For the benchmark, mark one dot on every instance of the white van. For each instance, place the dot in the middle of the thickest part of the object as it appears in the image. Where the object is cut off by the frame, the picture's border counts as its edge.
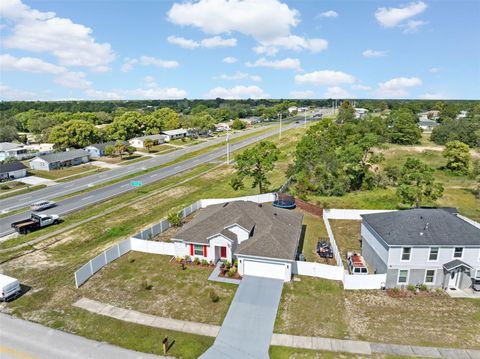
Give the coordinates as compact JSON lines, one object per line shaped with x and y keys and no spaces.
{"x":9,"y":288}
{"x":41,"y":205}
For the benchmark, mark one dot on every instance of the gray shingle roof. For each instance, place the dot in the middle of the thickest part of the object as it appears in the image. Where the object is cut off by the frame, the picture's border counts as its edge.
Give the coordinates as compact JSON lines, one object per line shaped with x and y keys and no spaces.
{"x":5,"y":146}
{"x":101,"y":146}
{"x":455,"y":264}
{"x":64,"y":156}
{"x":423,"y":227}
{"x":9,"y":167}
{"x":152,"y":137}
{"x":275,"y":231}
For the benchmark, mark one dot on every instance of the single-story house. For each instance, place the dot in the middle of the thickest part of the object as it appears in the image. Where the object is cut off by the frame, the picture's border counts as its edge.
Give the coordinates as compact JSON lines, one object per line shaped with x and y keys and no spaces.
{"x":360,"y":112}
{"x":15,"y":150}
{"x":250,"y":121}
{"x":292,"y":109}
{"x":429,"y":115}
{"x":59,"y":160}
{"x":432,"y":246}
{"x":12,"y":170}
{"x":463,"y":114}
{"x":427,"y":125}
{"x":98,"y":149}
{"x":174,"y":134}
{"x":138,"y":142}
{"x":222,"y":126}
{"x":264,"y":239}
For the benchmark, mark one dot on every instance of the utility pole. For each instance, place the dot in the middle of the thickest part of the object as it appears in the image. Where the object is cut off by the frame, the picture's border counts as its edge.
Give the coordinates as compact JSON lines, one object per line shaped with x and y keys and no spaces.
{"x":280,"y":133}
{"x":228,"y":147}
{"x":305,"y":118}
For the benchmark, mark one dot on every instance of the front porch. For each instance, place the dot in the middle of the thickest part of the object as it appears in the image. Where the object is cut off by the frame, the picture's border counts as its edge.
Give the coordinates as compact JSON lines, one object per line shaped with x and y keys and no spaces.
{"x":463,"y":293}
{"x":457,"y":276}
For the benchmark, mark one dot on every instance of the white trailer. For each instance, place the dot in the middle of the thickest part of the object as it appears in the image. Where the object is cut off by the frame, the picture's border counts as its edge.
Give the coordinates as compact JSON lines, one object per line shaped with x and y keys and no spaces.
{"x":9,"y":288}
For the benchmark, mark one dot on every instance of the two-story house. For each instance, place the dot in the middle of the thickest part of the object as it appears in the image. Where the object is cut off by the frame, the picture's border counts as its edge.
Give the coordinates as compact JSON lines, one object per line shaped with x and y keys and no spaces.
{"x":431,"y":246}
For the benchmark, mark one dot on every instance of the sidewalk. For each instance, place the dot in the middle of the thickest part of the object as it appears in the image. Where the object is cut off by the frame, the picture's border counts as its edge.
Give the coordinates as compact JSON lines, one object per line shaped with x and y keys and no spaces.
{"x":293,"y":341}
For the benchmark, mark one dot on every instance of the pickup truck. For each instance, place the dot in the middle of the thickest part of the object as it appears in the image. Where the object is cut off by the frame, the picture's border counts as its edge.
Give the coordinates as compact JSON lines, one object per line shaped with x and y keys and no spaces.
{"x":36,"y":221}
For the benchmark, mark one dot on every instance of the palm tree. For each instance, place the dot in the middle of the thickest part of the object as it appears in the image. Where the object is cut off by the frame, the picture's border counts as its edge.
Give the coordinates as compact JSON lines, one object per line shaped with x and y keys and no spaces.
{"x":119,"y":148}
{"x":148,"y":144}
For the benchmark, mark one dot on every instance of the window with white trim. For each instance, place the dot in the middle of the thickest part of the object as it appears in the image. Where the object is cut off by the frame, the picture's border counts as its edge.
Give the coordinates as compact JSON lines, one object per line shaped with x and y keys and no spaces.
{"x":406,"y":253}
{"x":433,"y":256}
{"x":458,"y":252}
{"x":198,"y":250}
{"x":430,"y":276}
{"x":402,"y":276}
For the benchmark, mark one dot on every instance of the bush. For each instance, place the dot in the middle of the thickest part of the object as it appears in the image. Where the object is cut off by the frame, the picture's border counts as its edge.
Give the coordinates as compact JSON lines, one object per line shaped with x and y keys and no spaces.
{"x":214,"y":296}
{"x":188,"y":259}
{"x":175,"y":219}
{"x":196,"y":260}
{"x":227,"y":264}
{"x":232,"y":272}
{"x":395,"y":290}
{"x":423,"y":288}
{"x":131,"y":260}
{"x":204,"y":262}
{"x":178,"y":259}
{"x":411,"y":288}
{"x":146,"y":285}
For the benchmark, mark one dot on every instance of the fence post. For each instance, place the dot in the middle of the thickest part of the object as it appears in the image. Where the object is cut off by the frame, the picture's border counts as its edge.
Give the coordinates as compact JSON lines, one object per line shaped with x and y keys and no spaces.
{"x":91,"y":267}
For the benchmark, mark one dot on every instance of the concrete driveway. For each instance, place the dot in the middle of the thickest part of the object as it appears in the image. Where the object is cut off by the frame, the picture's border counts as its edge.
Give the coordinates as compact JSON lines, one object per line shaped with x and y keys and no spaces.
{"x":247,"y":329}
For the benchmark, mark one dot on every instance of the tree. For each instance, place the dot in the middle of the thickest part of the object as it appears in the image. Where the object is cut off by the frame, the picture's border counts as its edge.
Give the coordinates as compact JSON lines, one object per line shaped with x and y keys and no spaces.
{"x":255,"y":162}
{"x":346,"y":112}
{"x":458,"y":156}
{"x":8,"y":133}
{"x":120,"y":148}
{"x":175,"y":219}
{"x":126,"y":126}
{"x":238,"y":124}
{"x":416,"y":183}
{"x":403,"y":128}
{"x":109,"y":150}
{"x":73,"y":133}
{"x":148,"y":144}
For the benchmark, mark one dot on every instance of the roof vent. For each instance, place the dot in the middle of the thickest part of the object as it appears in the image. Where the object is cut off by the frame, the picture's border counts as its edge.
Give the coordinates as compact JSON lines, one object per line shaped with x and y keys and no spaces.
{"x":426,"y":226}
{"x":421,"y":233}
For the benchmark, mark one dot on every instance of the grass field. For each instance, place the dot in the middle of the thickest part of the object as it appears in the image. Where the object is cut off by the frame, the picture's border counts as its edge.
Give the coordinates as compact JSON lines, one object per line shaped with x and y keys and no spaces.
{"x":318,"y":307}
{"x":347,"y":236}
{"x":86,"y":169}
{"x":314,"y":230}
{"x":277,"y":352}
{"x":175,"y":293}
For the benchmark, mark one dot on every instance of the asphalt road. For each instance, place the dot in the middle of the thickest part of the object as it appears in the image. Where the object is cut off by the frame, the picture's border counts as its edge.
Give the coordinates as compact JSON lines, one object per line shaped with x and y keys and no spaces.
{"x":20,"y":339}
{"x":101,"y":194}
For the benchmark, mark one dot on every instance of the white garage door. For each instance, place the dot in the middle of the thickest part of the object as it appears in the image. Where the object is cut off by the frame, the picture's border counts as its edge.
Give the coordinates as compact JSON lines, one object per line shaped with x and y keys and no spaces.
{"x":262,"y":269}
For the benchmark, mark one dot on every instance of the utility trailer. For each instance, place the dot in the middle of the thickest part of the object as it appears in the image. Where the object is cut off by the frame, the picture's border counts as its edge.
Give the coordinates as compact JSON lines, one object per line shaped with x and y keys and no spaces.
{"x":36,"y":221}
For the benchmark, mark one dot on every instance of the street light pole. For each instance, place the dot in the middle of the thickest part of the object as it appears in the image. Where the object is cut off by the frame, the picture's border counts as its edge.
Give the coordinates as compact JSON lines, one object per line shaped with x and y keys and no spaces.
{"x":280,"y":133}
{"x":305,"y":112}
{"x":228,"y":148}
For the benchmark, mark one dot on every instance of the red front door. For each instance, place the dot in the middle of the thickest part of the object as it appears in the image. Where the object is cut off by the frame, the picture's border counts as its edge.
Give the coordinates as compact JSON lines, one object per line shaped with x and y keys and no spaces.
{"x":223,"y":252}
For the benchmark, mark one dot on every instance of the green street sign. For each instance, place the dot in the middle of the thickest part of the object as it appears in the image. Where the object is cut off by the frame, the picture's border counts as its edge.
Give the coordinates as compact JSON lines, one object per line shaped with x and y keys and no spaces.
{"x":136,"y":183}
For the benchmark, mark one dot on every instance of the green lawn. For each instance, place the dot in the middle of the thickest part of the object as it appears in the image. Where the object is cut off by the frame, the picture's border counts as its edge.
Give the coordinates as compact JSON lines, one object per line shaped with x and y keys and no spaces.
{"x":176,"y":293}
{"x":347,"y":236}
{"x":314,"y":230}
{"x":277,"y":352}
{"x":318,"y":307}
{"x":65,"y":172}
{"x":19,"y":190}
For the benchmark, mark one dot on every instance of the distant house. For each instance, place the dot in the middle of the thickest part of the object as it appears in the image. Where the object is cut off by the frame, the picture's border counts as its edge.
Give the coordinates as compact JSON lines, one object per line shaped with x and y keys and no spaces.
{"x":15,"y":150}
{"x":431,"y":246}
{"x":139,"y":142}
{"x":429,"y":115}
{"x":12,"y":170}
{"x":250,"y":121}
{"x":98,"y":149}
{"x":222,"y":126}
{"x":360,"y":112}
{"x":463,"y":114}
{"x":174,"y":134}
{"x":427,"y":125}
{"x":59,"y":160}
{"x":292,"y":109}
{"x":264,"y":239}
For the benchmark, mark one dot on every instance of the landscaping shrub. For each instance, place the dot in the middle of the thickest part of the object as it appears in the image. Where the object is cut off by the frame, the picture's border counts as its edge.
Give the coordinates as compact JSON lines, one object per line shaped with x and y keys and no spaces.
{"x":423,"y":288}
{"x":214,"y":296}
{"x":411,"y":288}
{"x":227,"y":264}
{"x":175,"y":219}
{"x":232,"y":272}
{"x":204,"y":262}
{"x":188,"y":259}
{"x":178,"y":259}
{"x":196,"y":260}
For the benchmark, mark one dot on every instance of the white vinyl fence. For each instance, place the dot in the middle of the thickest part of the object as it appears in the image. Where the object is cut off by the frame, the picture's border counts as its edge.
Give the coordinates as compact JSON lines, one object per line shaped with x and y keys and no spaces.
{"x":352,"y":214}
{"x":261,"y":198}
{"x":154,"y":247}
{"x":369,"y":281}
{"x":319,"y":270}
{"x":333,"y":244}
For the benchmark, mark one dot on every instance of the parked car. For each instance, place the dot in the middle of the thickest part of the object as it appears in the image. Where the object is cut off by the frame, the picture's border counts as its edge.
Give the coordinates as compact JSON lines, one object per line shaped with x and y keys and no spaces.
{"x":356,"y":263}
{"x":324,"y":249}
{"x":42,"y":205}
{"x":9,"y":288}
{"x":36,"y":221}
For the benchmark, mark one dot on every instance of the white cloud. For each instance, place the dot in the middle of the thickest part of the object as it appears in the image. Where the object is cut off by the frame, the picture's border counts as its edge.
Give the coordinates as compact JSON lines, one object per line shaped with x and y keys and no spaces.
{"x":237,"y":92}
{"x":374,"y":53}
{"x":38,"y":31}
{"x":391,"y":17}
{"x":302,"y":94}
{"x":435,"y":70}
{"x":336,"y":92}
{"x":361,"y":88}
{"x":397,"y":87}
{"x":150,"y":81}
{"x":183,"y":42}
{"x":155,"y":93}
{"x":291,"y":42}
{"x":285,"y":64}
{"x":8,"y":93}
{"x":148,"y":61}
{"x":432,"y":96}
{"x":74,"y":80}
{"x":413,"y":26}
{"x":325,"y":77}
{"x":239,"y":76}
{"x":329,"y":13}
{"x":229,"y":60}
{"x":29,"y":64}
{"x":262,"y":19}
{"x":218,"y":41}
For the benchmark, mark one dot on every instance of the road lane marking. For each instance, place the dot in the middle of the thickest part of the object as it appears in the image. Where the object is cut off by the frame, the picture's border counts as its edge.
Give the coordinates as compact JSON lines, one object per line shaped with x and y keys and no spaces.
{"x":15,"y":353}
{"x":88,"y":197}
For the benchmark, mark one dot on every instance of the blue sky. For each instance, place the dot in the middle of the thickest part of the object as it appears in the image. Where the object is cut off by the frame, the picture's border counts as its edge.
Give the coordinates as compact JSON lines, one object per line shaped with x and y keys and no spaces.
{"x":238,"y":49}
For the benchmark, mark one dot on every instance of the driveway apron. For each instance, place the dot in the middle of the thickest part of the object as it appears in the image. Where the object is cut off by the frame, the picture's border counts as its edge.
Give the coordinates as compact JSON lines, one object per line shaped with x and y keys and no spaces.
{"x":247,"y":329}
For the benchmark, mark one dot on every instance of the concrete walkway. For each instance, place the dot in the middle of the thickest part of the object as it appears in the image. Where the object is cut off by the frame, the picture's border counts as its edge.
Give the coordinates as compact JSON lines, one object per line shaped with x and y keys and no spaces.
{"x":293,"y":341}
{"x":215,"y":278}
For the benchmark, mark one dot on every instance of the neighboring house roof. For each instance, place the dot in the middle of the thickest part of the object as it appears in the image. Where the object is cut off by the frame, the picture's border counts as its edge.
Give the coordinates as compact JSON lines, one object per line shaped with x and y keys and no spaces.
{"x":423,"y":227}
{"x":5,"y":146}
{"x":275,"y":231}
{"x":455,"y":264}
{"x":63,"y":156}
{"x":10,"y":167}
{"x":428,"y":123}
{"x":151,"y":137}
{"x":101,"y":146}
{"x":180,"y":131}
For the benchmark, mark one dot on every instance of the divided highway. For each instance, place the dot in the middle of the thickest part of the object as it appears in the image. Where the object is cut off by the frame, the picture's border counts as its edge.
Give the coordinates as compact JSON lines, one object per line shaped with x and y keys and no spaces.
{"x":101,"y":194}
